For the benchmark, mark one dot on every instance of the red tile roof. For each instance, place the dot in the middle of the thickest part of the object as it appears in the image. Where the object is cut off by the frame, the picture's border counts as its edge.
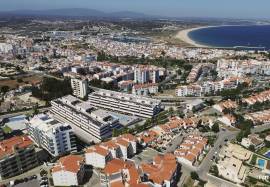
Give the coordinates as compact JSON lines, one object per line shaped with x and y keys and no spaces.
{"x":71,"y":163}
{"x":7,"y":146}
{"x":163,"y":168}
{"x":97,"y":149}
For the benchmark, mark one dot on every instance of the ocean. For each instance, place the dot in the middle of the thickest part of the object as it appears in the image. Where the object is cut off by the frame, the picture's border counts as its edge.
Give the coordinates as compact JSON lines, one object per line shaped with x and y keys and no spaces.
{"x":252,"y":36}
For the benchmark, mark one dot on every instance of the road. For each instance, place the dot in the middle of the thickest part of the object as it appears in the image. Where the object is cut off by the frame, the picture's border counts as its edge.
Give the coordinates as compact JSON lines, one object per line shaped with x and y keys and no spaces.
{"x":21,"y":113}
{"x":261,"y":128}
{"x":204,"y":167}
{"x":177,"y":99}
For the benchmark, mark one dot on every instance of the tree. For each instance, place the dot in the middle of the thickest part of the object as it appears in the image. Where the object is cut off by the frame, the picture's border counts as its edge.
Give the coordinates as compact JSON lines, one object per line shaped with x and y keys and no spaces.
{"x":215,"y":128}
{"x":240,"y":136}
{"x":251,"y":148}
{"x":4,"y":89}
{"x":19,"y":80}
{"x":214,"y":170}
{"x":194,"y":175}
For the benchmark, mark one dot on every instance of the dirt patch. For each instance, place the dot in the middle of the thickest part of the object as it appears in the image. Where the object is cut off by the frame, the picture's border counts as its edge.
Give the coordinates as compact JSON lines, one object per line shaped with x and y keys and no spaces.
{"x":25,"y":80}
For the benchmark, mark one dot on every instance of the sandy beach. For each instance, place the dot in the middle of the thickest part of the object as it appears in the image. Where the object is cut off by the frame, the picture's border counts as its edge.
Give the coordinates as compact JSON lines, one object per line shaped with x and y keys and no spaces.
{"x":183,"y":35}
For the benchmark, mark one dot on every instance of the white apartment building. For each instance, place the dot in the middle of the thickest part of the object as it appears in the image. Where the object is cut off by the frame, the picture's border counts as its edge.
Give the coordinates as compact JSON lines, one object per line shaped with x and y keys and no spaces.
{"x":87,"y":124}
{"x":69,"y":171}
{"x":5,"y":47}
{"x":141,"y":75}
{"x":190,"y":90}
{"x":55,"y":137}
{"x":97,"y":156}
{"x":145,"y":89}
{"x":79,"y":87}
{"x":125,"y":103}
{"x":124,"y":147}
{"x":146,"y":74}
{"x":227,"y":68}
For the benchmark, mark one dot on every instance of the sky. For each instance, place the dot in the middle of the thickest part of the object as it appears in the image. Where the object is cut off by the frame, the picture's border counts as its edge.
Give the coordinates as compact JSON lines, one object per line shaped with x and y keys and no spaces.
{"x":173,"y":8}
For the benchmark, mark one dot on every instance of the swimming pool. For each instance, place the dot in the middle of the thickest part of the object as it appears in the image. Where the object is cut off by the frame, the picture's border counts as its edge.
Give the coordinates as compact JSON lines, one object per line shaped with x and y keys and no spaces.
{"x":261,"y":163}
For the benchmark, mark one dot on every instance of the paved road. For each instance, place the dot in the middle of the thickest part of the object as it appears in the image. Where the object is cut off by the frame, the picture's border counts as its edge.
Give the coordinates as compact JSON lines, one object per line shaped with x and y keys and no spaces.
{"x":174,"y":98}
{"x":261,"y":128}
{"x":204,"y":167}
{"x":176,"y":142}
{"x":21,"y":113}
{"x":206,"y":163}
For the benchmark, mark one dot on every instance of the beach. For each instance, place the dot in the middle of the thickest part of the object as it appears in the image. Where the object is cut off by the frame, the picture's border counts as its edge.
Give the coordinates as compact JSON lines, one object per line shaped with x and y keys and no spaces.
{"x":183,"y":35}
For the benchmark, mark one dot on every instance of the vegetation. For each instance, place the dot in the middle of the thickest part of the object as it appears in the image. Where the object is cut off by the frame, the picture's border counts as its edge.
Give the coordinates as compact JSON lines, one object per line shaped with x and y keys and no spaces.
{"x":253,"y":159}
{"x":103,"y":85}
{"x":194,"y":175}
{"x":251,"y":148}
{"x":4,"y":89}
{"x":215,"y":128}
{"x":214,"y":170}
{"x":52,"y":88}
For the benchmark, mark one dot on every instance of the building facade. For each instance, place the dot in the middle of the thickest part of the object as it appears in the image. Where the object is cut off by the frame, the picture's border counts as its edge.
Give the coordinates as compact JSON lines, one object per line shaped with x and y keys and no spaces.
{"x":69,"y":171}
{"x":125,"y":103}
{"x":79,"y":87}
{"x":17,"y":155}
{"x":88,"y":126}
{"x":55,"y":137}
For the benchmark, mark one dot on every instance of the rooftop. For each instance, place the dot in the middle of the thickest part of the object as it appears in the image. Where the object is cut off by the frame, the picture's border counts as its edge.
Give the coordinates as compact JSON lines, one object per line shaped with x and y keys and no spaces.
{"x":7,"y":147}
{"x":71,"y":163}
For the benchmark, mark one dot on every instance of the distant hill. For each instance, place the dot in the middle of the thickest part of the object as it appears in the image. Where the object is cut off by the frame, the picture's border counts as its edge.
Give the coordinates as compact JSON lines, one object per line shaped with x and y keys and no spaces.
{"x":74,"y":12}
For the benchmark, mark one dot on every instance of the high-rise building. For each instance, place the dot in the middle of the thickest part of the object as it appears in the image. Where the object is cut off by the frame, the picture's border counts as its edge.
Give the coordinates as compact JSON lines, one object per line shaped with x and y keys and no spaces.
{"x":89,"y":124}
{"x":141,"y":75}
{"x":55,"y":137}
{"x":125,"y":103}
{"x":79,"y":87}
{"x":17,"y":155}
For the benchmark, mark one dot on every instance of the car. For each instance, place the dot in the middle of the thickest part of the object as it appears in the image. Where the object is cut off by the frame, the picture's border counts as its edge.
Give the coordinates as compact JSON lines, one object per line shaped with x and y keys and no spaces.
{"x":43,"y":183}
{"x":44,"y":178}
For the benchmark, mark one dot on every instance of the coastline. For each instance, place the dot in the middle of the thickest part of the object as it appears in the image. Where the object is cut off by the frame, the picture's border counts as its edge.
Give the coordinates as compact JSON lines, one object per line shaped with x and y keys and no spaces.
{"x":183,"y":35}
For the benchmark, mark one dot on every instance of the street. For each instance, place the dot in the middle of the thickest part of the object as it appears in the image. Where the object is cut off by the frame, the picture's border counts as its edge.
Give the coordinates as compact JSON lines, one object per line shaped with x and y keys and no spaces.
{"x":204,"y":167}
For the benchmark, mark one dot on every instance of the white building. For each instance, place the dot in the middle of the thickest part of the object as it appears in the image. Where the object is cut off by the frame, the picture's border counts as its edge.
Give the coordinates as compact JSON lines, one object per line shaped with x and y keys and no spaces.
{"x":253,"y":139}
{"x":79,"y":87}
{"x":69,"y":171}
{"x":125,"y":103}
{"x":87,"y":124}
{"x":145,"y":89}
{"x":124,"y":147}
{"x":97,"y":156}
{"x":190,"y":90}
{"x":55,"y":137}
{"x":5,"y":48}
{"x":141,"y":75}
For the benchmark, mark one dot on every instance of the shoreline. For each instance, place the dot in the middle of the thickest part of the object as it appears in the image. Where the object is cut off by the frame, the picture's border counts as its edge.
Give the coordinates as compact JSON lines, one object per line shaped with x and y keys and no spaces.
{"x":183,"y":35}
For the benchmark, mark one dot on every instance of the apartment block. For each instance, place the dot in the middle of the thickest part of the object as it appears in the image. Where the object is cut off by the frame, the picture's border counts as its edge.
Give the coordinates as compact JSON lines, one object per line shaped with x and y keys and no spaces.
{"x":124,"y":147}
{"x":55,"y":137}
{"x":125,"y":103}
{"x":69,"y":171}
{"x":79,"y":87}
{"x":88,"y":125}
{"x":17,"y":155}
